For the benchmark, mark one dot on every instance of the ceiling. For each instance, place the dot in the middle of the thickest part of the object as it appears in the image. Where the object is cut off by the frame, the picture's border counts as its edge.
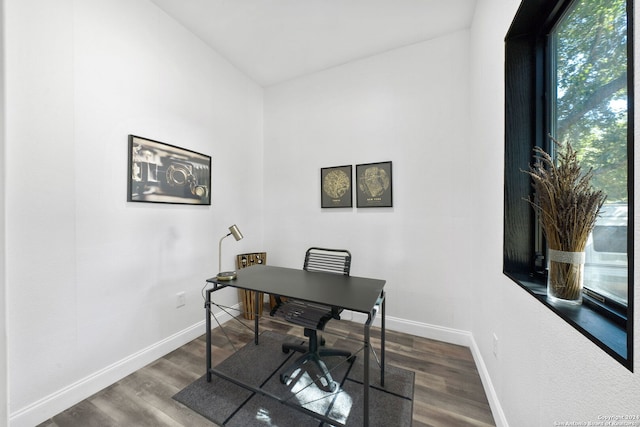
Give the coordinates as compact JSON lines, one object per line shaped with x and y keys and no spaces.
{"x":277,"y":40}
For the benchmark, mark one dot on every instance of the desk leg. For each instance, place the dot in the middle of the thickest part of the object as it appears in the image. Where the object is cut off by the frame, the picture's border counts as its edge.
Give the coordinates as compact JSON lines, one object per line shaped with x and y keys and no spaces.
{"x":207,"y":307}
{"x":382,"y":338}
{"x":256,"y":311}
{"x":367,"y":336}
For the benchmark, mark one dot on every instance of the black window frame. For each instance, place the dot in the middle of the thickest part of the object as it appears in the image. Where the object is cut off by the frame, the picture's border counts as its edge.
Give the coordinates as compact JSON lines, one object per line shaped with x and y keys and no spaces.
{"x":527,"y":125}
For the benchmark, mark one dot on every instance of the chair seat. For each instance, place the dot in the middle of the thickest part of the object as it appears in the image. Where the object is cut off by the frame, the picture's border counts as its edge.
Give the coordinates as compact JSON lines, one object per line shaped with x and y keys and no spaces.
{"x":309,"y":316}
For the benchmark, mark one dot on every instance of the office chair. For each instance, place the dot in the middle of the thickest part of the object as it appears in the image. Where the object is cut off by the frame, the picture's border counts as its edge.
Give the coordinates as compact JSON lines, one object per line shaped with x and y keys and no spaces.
{"x":314,"y":317}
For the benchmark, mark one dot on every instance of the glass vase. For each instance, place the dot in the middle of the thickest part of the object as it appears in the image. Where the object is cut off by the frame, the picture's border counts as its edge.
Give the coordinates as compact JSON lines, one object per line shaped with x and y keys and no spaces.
{"x":566,"y":276}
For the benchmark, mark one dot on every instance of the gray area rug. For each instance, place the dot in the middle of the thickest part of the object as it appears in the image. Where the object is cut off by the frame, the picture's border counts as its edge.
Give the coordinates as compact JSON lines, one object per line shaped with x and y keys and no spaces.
{"x":227,"y":404}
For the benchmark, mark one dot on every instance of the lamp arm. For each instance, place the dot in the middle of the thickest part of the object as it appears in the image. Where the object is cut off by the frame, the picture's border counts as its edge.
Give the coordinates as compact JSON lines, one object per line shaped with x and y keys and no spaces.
{"x":220,"y":252}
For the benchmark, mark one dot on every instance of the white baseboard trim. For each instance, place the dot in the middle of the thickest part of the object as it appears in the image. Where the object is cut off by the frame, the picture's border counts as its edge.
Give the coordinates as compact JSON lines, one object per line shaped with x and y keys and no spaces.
{"x":424,"y":330}
{"x":496,"y":409}
{"x":66,"y":397}
{"x":451,"y":336}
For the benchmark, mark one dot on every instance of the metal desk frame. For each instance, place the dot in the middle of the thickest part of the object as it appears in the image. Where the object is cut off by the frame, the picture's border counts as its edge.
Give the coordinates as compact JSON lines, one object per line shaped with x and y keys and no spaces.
{"x":355,"y":293}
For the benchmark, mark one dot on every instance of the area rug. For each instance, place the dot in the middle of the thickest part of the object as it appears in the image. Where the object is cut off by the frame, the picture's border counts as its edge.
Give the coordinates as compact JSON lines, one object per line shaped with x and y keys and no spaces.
{"x":227,"y":404}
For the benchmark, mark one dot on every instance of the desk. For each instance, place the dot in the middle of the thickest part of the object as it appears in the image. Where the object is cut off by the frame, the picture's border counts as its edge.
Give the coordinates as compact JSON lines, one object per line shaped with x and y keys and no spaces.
{"x":348,"y":292}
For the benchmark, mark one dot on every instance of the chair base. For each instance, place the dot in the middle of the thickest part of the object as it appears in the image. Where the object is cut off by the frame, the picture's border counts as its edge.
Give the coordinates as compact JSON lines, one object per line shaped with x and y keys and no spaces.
{"x":314,"y":355}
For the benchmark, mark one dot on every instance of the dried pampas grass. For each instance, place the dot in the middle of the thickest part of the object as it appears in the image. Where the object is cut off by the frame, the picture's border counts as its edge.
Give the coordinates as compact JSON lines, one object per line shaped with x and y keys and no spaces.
{"x":567,"y":207}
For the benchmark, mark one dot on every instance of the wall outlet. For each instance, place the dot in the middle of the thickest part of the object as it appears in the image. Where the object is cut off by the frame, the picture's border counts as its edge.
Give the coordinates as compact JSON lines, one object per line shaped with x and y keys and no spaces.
{"x":181,"y":299}
{"x":495,"y":345}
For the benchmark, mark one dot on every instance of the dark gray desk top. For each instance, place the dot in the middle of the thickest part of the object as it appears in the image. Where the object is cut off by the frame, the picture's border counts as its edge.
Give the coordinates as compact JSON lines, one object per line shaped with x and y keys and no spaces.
{"x":348,"y":292}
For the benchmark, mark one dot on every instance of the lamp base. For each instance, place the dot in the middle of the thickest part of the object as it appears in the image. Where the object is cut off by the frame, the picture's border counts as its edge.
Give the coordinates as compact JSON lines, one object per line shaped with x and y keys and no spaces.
{"x":226,"y":275}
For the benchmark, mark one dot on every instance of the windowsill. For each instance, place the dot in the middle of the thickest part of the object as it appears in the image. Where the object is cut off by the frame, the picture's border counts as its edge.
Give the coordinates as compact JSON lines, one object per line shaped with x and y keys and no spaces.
{"x":601,"y":330}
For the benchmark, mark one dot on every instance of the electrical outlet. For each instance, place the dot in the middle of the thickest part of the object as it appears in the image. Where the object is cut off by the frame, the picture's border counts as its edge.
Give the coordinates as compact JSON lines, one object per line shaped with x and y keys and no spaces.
{"x":495,"y":345}
{"x":181,"y":299}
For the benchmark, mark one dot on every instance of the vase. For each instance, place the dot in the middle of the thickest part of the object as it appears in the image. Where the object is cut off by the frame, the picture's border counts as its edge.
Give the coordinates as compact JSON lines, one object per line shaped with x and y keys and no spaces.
{"x":566,"y":277}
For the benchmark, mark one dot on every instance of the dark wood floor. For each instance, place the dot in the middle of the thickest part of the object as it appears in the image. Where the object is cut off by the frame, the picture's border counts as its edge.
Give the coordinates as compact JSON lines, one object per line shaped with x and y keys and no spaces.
{"x":448,"y":391}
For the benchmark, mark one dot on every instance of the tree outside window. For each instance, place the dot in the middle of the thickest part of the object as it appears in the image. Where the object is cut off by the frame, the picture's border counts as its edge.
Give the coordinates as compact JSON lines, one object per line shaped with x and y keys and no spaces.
{"x":589,"y":109}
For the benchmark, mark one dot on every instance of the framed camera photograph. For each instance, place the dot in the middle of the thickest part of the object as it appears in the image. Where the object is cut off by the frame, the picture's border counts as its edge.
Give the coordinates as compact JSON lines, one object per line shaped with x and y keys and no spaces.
{"x":374,"y":185}
{"x":163,"y":173}
{"x":335,"y":187}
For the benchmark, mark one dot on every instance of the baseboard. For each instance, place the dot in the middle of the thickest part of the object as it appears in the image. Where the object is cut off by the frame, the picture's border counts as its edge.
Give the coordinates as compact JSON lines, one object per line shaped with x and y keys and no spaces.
{"x":425,"y":330}
{"x":451,"y":336}
{"x":66,"y":397}
{"x":496,"y":409}
{"x":57,"y":402}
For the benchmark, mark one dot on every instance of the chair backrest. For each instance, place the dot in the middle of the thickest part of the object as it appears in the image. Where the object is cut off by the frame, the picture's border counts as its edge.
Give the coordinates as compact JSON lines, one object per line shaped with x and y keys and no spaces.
{"x":336,"y":261}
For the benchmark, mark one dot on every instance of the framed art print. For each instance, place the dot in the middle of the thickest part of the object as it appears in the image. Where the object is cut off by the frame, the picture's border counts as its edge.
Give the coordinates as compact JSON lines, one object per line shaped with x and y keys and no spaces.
{"x":374,"y":185}
{"x":335,"y":183}
{"x":163,"y":173}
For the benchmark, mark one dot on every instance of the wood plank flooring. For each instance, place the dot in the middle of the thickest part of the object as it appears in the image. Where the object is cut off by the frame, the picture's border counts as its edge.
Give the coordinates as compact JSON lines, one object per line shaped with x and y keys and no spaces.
{"x":448,"y":391}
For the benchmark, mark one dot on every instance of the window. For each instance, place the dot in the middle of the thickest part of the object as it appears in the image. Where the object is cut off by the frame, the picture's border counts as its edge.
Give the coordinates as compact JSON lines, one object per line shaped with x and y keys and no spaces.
{"x":568,"y":74}
{"x":588,"y":47}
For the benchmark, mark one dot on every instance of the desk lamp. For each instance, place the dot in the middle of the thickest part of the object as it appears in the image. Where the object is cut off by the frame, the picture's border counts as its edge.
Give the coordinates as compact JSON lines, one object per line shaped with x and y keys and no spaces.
{"x":227,"y":275}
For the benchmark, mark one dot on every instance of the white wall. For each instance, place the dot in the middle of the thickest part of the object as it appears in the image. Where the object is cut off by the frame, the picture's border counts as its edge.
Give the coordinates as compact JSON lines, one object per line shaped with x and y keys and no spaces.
{"x":409,"y":106}
{"x":3,"y":302}
{"x":92,"y":279}
{"x":545,"y":371}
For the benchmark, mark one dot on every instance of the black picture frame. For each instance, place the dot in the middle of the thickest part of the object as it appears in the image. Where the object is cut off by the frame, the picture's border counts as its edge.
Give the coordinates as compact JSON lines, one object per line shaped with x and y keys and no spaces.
{"x":336,"y":187}
{"x":374,"y":185}
{"x":163,"y":173}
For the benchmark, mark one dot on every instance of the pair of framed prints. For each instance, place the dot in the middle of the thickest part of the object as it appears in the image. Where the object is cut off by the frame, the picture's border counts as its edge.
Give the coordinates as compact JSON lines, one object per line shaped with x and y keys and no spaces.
{"x":372,"y":186}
